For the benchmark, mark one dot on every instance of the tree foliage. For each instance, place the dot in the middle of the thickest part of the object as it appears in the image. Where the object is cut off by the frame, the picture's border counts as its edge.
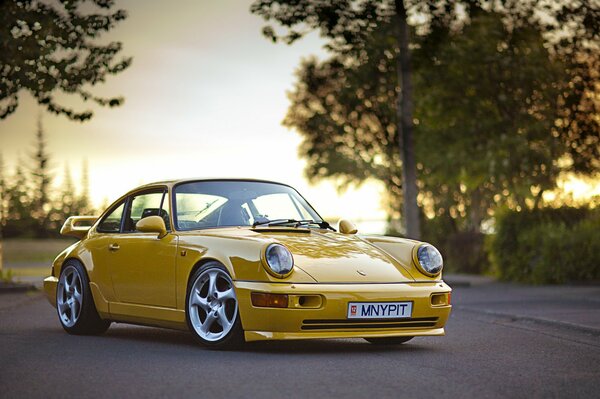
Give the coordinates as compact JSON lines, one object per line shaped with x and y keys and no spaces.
{"x":347,"y":25}
{"x":506,"y":97}
{"x":40,"y":180}
{"x":51,"y":48}
{"x":489,"y":96}
{"x":28,"y":207}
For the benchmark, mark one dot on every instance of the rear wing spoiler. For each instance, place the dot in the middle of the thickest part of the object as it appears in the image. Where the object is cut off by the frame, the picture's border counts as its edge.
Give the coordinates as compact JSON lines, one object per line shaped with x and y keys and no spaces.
{"x":77,"y":226}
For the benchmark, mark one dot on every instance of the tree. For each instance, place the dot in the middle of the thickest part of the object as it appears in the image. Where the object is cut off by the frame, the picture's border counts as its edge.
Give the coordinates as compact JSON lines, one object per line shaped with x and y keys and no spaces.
{"x":347,"y":24}
{"x":573,"y":31}
{"x":41,"y":181}
{"x":472,"y":102}
{"x":48,"y":48}
{"x":515,"y":63}
{"x":67,"y":204}
{"x":84,"y":206}
{"x":489,"y":99}
{"x":18,"y":217}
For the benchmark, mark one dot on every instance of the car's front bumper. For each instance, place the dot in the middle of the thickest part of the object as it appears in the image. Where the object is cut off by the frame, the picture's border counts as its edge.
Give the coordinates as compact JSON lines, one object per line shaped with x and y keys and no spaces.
{"x":328,"y":319}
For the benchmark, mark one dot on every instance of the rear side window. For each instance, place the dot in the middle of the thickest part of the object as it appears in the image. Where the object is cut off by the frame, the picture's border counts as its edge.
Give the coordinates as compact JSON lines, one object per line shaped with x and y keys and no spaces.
{"x":112,"y":222}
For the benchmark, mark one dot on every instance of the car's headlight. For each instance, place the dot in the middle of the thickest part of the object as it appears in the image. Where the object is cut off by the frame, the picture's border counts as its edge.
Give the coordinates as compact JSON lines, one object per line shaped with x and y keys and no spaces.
{"x":279,"y":260}
{"x":428,"y":259}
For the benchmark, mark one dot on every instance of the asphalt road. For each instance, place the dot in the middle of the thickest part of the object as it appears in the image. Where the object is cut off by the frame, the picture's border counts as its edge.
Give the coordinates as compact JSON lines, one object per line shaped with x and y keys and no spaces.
{"x":481,"y":356}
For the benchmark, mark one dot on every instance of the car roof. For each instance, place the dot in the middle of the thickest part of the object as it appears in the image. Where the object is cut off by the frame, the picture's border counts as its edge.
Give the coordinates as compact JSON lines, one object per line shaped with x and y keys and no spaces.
{"x":171,"y":183}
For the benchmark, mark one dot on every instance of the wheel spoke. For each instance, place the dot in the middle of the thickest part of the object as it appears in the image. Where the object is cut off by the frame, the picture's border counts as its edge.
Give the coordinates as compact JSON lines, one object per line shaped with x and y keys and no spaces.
{"x":208,"y":322}
{"x":73,"y":307}
{"x":62,"y":306}
{"x":77,"y":297}
{"x":223,"y":320}
{"x":228,"y":294}
{"x":75,"y":283}
{"x":212,"y":284}
{"x":202,"y":303}
{"x":67,"y":285}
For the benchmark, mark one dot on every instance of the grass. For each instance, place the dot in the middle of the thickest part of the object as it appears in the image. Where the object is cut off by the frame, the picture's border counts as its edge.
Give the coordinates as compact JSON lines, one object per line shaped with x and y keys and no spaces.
{"x":26,"y":255}
{"x":29,"y":271}
{"x":25,"y":251}
{"x":6,"y":276}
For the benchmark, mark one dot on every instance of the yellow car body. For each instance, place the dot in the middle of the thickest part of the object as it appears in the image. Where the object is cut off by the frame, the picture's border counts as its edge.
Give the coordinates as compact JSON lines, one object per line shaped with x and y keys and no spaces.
{"x":147,"y":279}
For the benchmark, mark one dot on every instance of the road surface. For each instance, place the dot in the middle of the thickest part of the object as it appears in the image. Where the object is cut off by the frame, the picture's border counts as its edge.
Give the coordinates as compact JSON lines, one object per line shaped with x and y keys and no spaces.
{"x":482,"y":356}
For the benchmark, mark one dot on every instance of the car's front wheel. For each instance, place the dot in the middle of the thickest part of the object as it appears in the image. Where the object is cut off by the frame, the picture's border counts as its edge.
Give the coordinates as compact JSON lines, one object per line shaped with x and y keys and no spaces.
{"x":74,"y":303}
{"x":389,"y":340}
{"x":212,"y":308}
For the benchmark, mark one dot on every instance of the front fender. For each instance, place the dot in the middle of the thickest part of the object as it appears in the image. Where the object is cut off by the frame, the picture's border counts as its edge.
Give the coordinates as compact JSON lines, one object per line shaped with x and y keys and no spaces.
{"x":401,"y":249}
{"x":241,"y":257}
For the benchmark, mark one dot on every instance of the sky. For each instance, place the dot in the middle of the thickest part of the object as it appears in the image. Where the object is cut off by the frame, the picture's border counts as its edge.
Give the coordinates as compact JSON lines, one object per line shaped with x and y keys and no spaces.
{"x":204,"y":97}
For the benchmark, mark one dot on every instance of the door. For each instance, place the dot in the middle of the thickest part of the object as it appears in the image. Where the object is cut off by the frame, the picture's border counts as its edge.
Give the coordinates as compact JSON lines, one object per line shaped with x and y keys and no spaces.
{"x":142,"y":265}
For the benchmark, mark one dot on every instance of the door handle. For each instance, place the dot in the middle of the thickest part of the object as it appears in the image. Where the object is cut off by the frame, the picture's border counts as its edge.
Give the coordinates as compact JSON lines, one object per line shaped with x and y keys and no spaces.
{"x":114,"y":247}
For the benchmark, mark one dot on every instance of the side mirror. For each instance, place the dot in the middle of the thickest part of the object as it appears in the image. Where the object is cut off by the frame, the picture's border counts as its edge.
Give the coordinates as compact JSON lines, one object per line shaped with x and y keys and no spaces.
{"x":347,"y":227}
{"x":152,"y":224}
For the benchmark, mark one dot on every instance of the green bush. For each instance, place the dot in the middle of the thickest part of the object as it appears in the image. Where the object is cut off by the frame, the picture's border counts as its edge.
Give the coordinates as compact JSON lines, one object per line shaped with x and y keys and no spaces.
{"x":546,"y":246}
{"x":463,"y":251}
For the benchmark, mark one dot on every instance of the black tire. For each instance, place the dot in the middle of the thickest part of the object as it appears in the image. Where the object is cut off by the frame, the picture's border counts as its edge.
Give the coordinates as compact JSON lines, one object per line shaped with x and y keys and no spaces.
{"x":233,"y":337}
{"x":86,"y":320}
{"x":389,"y":340}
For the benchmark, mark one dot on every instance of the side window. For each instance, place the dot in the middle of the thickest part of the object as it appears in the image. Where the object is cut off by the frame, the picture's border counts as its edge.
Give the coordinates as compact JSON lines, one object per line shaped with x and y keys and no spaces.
{"x":112,"y":222}
{"x":147,"y":204}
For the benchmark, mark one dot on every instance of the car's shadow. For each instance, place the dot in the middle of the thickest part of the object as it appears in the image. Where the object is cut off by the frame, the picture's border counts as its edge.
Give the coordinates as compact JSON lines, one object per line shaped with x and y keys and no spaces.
{"x":162,"y":336}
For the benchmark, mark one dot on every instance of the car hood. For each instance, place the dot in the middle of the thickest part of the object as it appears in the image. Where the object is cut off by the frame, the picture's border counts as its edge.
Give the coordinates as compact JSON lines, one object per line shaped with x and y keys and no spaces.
{"x":330,"y":257}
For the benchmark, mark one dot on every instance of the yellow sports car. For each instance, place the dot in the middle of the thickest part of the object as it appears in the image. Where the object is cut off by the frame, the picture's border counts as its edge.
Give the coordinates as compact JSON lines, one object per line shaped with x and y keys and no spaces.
{"x":242,"y":260}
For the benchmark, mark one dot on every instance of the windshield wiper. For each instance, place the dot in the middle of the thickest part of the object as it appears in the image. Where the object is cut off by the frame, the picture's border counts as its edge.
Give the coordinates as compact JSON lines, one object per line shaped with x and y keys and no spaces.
{"x":297,"y":223}
{"x":262,"y":221}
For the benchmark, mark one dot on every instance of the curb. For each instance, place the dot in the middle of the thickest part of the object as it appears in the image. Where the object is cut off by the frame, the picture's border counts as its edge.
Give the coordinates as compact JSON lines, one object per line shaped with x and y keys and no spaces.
{"x":539,"y":320}
{"x":12,"y":288}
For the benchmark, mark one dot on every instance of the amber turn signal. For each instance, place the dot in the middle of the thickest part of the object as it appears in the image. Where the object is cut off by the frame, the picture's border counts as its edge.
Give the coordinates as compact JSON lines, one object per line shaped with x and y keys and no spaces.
{"x":262,"y":300}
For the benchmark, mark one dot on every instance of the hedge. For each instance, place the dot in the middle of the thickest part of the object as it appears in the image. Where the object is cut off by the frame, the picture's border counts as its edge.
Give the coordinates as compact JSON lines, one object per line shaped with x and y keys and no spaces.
{"x":552,"y":245}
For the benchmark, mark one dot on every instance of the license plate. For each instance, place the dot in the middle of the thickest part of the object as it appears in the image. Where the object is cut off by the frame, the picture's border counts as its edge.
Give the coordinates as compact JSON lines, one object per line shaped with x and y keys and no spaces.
{"x":379,"y":310}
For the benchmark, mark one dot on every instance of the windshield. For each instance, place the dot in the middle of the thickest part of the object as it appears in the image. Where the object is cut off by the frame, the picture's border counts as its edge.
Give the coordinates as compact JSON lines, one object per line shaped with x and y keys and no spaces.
{"x":207,"y":204}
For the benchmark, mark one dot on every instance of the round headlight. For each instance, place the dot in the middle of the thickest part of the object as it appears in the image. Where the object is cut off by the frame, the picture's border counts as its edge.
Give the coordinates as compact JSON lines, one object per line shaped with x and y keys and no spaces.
{"x":279,"y":260}
{"x":429,"y":260}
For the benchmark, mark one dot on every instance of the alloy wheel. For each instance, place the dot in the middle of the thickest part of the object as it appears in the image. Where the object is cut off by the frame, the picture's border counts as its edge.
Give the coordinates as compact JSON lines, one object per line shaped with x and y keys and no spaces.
{"x":212,"y":305}
{"x":69,"y":296}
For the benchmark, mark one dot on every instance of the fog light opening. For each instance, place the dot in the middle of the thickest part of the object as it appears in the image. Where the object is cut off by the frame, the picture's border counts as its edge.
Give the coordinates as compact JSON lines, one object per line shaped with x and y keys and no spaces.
{"x":440,"y":299}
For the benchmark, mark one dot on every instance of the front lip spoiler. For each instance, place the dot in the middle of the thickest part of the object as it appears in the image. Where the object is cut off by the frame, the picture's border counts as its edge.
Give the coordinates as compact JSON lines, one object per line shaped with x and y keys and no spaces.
{"x":340,"y":283}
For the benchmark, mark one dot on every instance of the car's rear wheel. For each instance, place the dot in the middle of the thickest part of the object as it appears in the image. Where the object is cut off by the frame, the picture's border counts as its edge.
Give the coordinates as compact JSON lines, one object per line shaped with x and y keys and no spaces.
{"x":389,"y":340}
{"x":74,"y":303}
{"x":212,"y":308}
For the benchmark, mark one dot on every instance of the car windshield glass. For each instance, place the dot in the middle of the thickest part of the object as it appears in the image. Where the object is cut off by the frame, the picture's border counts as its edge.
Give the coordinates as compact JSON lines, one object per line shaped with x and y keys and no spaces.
{"x":209,"y":204}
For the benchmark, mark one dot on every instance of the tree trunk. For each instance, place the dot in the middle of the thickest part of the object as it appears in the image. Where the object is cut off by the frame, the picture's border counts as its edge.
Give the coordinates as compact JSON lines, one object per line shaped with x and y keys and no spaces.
{"x":404,"y":126}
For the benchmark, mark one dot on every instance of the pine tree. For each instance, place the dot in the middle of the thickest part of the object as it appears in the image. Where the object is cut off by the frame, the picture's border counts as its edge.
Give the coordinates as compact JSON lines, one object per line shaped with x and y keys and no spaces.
{"x":67,"y":204}
{"x":19,"y":221}
{"x":42,"y":180}
{"x":83,"y":202}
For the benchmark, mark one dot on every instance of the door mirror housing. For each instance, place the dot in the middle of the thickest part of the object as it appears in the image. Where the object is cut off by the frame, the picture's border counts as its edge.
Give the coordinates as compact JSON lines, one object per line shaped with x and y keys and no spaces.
{"x":152,"y":224}
{"x":347,"y":227}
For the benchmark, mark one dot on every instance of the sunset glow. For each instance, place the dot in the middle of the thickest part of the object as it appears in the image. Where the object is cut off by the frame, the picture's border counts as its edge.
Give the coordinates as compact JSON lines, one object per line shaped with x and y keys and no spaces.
{"x":204,"y":97}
